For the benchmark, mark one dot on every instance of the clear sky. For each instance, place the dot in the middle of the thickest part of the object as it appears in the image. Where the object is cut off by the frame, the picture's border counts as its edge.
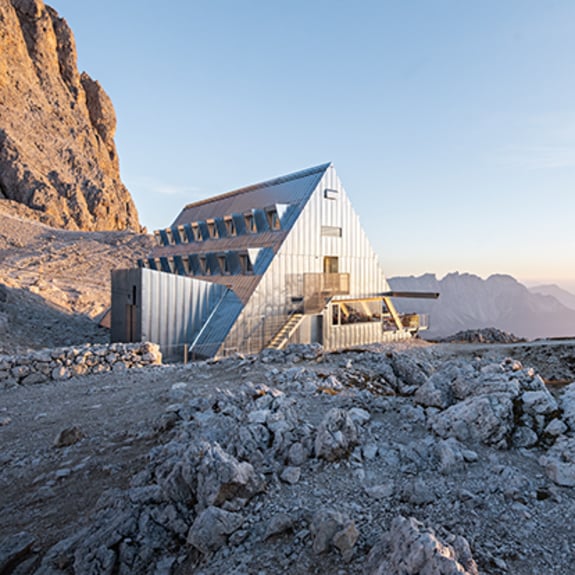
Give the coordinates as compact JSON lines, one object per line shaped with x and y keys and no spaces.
{"x":451,"y":123}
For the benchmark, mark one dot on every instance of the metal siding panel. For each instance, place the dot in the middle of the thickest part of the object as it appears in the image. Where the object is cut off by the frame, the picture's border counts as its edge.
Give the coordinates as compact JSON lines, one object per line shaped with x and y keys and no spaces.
{"x":298,"y":248}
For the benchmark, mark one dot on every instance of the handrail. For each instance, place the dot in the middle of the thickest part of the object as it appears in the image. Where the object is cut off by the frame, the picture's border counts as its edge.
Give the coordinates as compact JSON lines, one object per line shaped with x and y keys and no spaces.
{"x":206,"y":323}
{"x":269,"y":327}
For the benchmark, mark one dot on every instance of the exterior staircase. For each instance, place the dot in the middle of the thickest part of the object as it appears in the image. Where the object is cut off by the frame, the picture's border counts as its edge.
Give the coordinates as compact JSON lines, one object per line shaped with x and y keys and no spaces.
{"x":280,"y":339}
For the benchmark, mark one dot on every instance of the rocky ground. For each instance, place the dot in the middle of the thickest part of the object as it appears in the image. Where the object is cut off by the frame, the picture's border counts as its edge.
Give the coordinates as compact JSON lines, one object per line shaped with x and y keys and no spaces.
{"x":54,"y":283}
{"x":405,"y":459}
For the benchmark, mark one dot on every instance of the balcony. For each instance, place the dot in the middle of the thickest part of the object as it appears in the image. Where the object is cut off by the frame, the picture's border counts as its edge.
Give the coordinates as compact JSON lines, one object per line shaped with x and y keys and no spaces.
{"x":319,"y":288}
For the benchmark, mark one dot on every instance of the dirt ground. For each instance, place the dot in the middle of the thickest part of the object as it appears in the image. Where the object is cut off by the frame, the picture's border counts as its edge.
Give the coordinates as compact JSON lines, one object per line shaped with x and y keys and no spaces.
{"x":54,"y":283}
{"x":51,"y":491}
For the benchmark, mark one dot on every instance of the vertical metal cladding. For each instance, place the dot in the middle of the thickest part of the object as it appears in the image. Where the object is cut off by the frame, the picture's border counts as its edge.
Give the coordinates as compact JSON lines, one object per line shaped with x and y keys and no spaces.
{"x":171,"y":309}
{"x":233,"y":308}
{"x":303,"y":251}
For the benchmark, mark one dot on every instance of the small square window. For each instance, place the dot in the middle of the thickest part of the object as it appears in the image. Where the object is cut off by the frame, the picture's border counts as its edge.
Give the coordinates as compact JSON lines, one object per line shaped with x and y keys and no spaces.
{"x":330,"y":194}
{"x":331,"y":231}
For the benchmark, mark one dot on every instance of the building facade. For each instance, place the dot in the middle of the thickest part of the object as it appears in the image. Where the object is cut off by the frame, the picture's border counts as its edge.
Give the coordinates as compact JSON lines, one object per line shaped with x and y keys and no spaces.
{"x":283,"y":261}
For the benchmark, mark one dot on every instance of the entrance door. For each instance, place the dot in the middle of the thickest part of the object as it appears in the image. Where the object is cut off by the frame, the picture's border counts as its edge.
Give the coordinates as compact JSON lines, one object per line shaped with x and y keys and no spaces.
{"x":330,"y":265}
{"x":131,"y":315}
{"x":316,"y":329}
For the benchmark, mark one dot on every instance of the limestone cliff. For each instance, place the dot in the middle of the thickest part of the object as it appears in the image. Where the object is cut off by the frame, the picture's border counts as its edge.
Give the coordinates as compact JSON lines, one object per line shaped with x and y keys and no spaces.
{"x":57,"y":151}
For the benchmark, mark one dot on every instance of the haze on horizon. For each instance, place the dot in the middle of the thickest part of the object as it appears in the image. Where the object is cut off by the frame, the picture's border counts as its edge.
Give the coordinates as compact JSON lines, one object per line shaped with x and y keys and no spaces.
{"x":451,"y":124}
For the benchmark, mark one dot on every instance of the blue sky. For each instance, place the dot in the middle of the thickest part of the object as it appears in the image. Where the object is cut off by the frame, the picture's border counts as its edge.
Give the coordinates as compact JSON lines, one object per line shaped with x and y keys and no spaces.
{"x":451,"y":123}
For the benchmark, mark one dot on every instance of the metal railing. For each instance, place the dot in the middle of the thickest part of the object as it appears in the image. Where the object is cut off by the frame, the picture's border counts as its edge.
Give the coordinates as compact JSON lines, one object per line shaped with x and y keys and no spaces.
{"x":415,"y":321}
{"x":262,"y":333}
{"x":318,"y":288}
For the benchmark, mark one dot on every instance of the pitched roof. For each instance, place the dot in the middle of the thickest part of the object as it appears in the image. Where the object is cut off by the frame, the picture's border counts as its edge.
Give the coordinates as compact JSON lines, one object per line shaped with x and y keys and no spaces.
{"x":291,"y":189}
{"x":287,"y":193}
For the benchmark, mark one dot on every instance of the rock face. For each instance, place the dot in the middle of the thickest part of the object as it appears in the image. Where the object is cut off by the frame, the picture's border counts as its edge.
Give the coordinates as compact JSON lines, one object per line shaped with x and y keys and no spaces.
{"x":57,"y":151}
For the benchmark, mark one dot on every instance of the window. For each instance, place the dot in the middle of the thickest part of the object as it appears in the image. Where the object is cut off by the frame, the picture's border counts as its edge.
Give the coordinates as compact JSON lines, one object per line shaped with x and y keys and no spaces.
{"x":230,"y":226}
{"x":196,"y":232}
{"x":250,"y":223}
{"x":330,"y":265}
{"x":331,"y":231}
{"x":356,"y":311}
{"x":335,"y":314}
{"x":246,"y":264}
{"x":203,"y":264}
{"x":212,"y":230}
{"x":330,"y":194}
{"x":224,"y":265}
{"x":181,"y":234}
{"x":273,"y":219}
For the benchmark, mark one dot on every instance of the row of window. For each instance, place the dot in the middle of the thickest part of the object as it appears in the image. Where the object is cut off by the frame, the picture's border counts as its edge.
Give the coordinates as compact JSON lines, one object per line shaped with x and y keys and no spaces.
{"x":252,"y":222}
{"x":208,"y":264}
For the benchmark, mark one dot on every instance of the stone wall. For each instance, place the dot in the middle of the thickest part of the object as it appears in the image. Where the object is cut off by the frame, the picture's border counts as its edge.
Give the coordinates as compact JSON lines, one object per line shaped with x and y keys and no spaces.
{"x":64,"y":363}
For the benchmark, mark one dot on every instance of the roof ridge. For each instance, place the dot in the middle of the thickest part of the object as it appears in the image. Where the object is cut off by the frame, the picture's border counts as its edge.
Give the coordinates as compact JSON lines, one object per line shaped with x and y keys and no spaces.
{"x":267,"y":183}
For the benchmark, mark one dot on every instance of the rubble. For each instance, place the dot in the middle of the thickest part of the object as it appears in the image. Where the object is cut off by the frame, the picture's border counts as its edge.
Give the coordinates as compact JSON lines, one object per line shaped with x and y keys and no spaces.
{"x":264,"y":469}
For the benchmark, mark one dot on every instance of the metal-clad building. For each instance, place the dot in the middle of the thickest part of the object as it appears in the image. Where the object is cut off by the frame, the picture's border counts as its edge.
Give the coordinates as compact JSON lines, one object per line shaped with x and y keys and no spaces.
{"x":278,"y":262}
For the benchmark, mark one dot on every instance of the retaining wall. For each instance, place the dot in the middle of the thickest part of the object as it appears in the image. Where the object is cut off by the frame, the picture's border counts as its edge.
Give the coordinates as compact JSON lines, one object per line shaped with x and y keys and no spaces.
{"x":66,"y":362}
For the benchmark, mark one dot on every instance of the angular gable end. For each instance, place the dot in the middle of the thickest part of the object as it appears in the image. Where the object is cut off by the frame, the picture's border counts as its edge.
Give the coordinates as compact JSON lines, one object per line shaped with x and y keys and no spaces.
{"x":325,"y":257}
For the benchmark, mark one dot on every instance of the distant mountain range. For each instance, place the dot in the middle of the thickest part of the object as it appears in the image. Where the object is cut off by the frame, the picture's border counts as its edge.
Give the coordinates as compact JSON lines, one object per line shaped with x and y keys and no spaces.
{"x":467,"y":301}
{"x":561,"y":295}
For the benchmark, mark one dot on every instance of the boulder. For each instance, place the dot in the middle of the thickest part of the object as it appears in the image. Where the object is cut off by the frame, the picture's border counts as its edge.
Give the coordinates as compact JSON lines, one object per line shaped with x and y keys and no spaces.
{"x":211,"y":528}
{"x":435,"y":392}
{"x":486,"y":419}
{"x":538,"y":402}
{"x":559,"y":462}
{"x":331,"y":529}
{"x":221,"y":478}
{"x":409,"y":548}
{"x":336,"y":435}
{"x":567,"y":404}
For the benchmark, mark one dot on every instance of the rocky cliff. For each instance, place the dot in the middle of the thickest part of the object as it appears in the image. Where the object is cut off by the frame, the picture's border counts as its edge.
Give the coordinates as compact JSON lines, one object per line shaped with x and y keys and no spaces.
{"x":57,"y":151}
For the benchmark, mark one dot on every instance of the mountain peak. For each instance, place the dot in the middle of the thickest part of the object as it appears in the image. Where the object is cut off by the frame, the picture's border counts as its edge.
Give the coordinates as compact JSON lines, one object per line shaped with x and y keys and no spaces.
{"x":57,"y":150}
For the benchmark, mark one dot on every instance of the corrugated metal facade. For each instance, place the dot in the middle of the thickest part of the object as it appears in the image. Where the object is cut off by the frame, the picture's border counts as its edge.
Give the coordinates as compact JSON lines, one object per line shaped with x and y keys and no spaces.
{"x":298,"y":221}
{"x":167,"y":309}
{"x":281,"y":288}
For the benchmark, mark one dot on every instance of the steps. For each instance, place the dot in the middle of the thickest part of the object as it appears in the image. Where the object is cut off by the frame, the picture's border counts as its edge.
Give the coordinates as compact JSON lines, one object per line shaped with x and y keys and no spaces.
{"x":286,"y":331}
